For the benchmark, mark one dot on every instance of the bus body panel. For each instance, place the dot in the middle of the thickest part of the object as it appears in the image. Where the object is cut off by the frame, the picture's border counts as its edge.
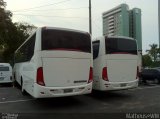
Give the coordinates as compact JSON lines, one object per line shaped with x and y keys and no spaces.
{"x":121,"y":68}
{"x":65,"y":72}
{"x":97,"y":71}
{"x":63,"y":68}
{"x":109,"y":86}
{"x":44,"y":92}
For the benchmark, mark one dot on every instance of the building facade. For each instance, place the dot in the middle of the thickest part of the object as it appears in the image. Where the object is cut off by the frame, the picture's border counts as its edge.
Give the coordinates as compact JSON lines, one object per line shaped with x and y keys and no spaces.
{"x":120,"y":21}
{"x":135,"y":30}
{"x":116,"y":21}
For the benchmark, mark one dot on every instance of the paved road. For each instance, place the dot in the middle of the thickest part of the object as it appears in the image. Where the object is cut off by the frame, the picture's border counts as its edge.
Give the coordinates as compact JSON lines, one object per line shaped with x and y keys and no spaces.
{"x":145,"y":98}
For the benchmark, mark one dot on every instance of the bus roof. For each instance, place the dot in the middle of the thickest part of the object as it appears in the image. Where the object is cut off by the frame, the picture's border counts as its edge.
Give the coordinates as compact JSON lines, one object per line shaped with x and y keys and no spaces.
{"x":124,"y":37}
{"x":101,"y":37}
{"x":4,"y":64}
{"x":67,"y":29}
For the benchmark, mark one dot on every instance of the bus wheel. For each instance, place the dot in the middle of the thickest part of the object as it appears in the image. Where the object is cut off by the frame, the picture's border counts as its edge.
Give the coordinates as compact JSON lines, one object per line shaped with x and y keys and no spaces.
{"x":159,"y":81}
{"x":15,"y":84}
{"x":22,"y":88}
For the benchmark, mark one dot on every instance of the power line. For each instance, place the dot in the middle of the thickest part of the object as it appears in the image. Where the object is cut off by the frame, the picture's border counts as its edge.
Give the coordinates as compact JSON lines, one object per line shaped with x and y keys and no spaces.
{"x":53,"y":9}
{"x":42,"y":6}
{"x":51,"y":16}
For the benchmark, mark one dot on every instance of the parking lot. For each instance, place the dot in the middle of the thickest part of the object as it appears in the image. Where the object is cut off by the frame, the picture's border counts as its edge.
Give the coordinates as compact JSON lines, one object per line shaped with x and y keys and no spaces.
{"x":144,"y":99}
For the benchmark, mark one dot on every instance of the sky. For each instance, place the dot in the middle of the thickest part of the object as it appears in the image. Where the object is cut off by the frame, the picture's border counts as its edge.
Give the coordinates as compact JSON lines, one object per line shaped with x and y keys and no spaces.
{"x":74,"y":14}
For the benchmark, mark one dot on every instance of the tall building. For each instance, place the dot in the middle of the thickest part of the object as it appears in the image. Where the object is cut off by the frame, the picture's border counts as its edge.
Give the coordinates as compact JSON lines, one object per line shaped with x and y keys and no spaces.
{"x":135,"y":30}
{"x":120,"y":21}
{"x":116,"y":21}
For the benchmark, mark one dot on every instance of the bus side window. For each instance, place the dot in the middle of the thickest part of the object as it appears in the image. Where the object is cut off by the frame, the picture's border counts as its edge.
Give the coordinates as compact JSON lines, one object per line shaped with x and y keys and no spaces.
{"x":26,"y":52}
{"x":31,"y":45}
{"x":95,"y":49}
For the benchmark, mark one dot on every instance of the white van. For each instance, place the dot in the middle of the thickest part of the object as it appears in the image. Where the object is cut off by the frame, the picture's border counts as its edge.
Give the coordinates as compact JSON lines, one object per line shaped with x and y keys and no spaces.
{"x":115,"y":63}
{"x":55,"y":62}
{"x":5,"y":73}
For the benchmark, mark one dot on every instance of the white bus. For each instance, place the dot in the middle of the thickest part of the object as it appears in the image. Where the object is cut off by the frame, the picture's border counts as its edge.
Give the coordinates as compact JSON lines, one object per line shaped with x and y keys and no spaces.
{"x":5,"y":73}
{"x":55,"y":62}
{"x":115,"y":64}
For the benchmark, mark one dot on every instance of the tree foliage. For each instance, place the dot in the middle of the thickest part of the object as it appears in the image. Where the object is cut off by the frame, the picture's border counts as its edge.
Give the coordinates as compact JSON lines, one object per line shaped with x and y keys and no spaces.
{"x":5,"y":22}
{"x":146,"y":60}
{"x":2,"y":4}
{"x":152,"y":58}
{"x":154,"y":52}
{"x":17,"y":37}
{"x":11,"y":34}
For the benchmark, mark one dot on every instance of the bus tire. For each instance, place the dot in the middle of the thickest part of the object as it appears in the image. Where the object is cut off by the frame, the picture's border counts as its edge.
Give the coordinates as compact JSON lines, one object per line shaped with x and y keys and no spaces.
{"x":16,"y":85}
{"x":22,"y":89}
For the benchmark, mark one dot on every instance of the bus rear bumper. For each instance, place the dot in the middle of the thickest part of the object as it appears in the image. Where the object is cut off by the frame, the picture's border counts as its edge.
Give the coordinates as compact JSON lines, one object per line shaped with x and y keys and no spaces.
{"x":8,"y":80}
{"x":118,"y":85}
{"x":48,"y":92}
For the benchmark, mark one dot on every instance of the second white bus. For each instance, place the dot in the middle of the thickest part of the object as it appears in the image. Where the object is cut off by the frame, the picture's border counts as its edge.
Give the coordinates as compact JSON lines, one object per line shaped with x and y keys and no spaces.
{"x":5,"y":73}
{"x":115,"y":63}
{"x":55,"y":62}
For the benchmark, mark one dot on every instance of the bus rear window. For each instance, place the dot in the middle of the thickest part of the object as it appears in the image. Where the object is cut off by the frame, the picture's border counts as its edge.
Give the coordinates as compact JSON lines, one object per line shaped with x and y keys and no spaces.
{"x":120,"y":46}
{"x":65,"y":40}
{"x":4,"y":68}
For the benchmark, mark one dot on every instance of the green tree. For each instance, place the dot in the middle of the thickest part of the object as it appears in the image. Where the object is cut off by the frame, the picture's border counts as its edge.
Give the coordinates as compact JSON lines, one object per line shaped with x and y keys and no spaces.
{"x":11,"y":34}
{"x":6,"y":24}
{"x":146,"y":60}
{"x":2,"y":4}
{"x":25,"y":28}
{"x":153,"y":52}
{"x":19,"y":34}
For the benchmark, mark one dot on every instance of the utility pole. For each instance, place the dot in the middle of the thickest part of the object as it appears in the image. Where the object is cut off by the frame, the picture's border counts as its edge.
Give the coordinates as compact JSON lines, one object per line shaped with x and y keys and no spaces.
{"x":90,"y":18}
{"x":159,"y":19}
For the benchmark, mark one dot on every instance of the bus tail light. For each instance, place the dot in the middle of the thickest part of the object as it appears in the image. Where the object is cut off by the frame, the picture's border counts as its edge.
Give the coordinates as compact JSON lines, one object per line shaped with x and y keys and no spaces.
{"x":137,"y":75}
{"x":40,"y":78}
{"x":90,"y":75}
{"x":105,"y":74}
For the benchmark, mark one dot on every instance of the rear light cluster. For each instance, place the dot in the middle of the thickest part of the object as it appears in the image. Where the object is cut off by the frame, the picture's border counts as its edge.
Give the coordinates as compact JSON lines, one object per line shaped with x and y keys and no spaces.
{"x":105,"y":74}
{"x":90,"y":75}
{"x":40,"y":78}
{"x":137,"y":75}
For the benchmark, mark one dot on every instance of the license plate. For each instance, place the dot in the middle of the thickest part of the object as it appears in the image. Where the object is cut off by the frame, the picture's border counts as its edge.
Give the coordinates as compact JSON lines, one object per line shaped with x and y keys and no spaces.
{"x":1,"y":78}
{"x":68,"y":90}
{"x":123,"y":84}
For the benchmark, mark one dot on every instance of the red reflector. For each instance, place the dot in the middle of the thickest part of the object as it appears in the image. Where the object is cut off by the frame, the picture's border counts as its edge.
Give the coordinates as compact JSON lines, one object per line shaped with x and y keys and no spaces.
{"x":40,"y":79}
{"x":90,"y":75}
{"x":105,"y":74}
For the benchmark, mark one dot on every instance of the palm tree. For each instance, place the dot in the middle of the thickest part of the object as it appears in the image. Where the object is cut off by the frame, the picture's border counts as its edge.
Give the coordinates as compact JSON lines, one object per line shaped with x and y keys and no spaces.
{"x":153,"y":52}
